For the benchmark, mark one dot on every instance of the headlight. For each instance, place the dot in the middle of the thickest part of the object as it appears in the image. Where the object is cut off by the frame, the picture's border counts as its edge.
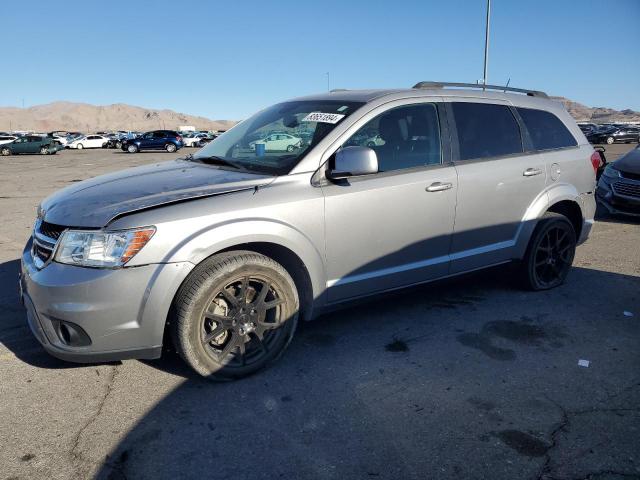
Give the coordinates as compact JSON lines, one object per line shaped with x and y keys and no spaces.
{"x":101,"y":249}
{"x":611,"y":172}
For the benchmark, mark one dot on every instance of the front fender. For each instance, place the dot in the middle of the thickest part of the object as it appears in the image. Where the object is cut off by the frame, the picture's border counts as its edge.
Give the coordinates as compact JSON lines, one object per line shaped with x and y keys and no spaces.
{"x":234,"y":233}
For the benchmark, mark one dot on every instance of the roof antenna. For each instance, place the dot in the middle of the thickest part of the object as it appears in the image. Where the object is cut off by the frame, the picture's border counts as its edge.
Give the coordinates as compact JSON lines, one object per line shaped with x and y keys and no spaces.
{"x":507,"y":85}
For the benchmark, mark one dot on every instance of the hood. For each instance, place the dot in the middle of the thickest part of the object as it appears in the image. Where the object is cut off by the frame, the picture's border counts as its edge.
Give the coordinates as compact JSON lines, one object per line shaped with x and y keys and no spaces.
{"x":95,"y":202}
{"x":630,"y":162}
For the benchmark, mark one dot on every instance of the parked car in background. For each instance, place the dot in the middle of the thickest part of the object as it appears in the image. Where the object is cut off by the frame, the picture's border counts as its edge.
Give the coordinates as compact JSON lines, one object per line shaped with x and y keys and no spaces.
{"x":610,"y":135}
{"x":6,"y":138}
{"x":88,"y":141}
{"x":168,"y":140}
{"x":193,"y":139}
{"x":619,"y":185}
{"x":278,"y":142}
{"x":30,"y":144}
{"x":224,"y":251}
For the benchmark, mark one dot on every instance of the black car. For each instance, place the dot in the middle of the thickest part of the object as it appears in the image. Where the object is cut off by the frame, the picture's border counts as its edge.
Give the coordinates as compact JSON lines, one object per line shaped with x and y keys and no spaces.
{"x":614,"y":135}
{"x":619,"y":185}
{"x":168,"y":140}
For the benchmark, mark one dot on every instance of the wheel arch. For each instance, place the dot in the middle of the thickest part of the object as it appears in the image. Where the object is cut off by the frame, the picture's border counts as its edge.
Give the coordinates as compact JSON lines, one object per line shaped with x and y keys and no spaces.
{"x":562,"y":198}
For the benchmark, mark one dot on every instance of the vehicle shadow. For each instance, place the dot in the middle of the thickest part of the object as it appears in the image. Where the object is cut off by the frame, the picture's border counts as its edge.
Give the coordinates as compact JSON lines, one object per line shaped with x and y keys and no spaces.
{"x":367,"y":391}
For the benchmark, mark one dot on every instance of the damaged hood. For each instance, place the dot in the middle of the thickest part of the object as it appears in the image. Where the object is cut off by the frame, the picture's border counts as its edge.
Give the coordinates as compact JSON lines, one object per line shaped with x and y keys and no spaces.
{"x":630,"y":162}
{"x":95,"y":202}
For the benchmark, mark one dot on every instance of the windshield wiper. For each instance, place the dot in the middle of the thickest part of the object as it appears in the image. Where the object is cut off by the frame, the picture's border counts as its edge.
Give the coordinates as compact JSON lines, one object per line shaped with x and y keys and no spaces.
{"x":213,"y":160}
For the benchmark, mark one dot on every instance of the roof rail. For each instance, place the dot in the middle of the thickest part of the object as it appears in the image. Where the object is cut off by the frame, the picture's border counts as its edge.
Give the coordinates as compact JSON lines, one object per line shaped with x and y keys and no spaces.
{"x":334,"y":90}
{"x":434,"y":85}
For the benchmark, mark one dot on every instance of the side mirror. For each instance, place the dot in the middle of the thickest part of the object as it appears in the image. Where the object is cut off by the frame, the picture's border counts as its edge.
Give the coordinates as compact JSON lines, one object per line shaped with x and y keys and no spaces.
{"x":352,"y":161}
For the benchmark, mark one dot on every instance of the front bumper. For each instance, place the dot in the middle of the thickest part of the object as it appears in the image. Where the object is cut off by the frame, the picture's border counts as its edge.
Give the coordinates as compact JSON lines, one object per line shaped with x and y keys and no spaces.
{"x":616,"y":202}
{"x":122,"y":311}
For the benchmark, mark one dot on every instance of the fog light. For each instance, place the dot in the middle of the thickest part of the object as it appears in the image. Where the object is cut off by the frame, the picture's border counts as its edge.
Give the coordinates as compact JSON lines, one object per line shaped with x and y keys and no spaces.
{"x":70,"y":334}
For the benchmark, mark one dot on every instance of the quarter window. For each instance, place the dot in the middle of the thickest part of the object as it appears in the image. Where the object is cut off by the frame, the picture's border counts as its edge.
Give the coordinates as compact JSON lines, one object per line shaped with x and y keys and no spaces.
{"x":486,"y":130}
{"x":402,"y":137}
{"x":545,"y":129}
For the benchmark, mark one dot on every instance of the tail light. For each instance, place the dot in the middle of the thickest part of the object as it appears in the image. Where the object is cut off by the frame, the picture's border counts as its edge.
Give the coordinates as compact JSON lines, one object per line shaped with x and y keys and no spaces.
{"x":179,"y":138}
{"x":596,"y":161}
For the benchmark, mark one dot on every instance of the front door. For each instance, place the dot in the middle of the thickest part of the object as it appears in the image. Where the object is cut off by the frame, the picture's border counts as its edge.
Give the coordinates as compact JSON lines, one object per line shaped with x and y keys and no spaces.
{"x":393,"y":228}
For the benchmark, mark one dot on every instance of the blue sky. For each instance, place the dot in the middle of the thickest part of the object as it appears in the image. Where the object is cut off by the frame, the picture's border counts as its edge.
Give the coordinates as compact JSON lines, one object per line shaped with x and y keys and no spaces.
{"x":228,"y":59}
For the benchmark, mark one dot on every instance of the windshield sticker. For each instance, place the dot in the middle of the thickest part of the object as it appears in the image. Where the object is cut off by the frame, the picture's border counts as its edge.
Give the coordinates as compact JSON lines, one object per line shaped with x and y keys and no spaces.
{"x":323,"y":117}
{"x":343,"y":108}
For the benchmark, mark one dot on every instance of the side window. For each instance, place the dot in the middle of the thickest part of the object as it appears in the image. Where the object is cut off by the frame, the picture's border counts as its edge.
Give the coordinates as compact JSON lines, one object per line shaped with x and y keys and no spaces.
{"x":148,"y":135}
{"x":486,"y":130}
{"x":160,"y":135}
{"x":403,"y":137}
{"x":545,"y":129}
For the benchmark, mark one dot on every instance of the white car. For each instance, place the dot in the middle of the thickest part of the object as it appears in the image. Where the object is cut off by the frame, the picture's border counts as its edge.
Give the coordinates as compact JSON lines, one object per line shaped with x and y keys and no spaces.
{"x":88,"y":141}
{"x":192,"y":140}
{"x":7,"y":139}
{"x":278,"y":142}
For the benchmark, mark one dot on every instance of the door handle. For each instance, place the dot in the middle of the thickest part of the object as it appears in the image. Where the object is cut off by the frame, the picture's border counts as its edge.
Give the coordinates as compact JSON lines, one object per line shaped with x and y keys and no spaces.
{"x":439,"y":187}
{"x":530,"y":172}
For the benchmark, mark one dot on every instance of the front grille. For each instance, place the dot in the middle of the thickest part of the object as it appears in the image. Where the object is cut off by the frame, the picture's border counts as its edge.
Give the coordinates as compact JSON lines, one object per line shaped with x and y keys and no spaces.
{"x":45,"y":237}
{"x":632,"y":176}
{"x":628,"y":189}
{"x":51,"y":230}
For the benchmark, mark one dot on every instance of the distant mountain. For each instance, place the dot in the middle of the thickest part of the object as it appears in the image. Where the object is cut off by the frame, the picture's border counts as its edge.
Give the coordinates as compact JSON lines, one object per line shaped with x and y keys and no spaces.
{"x":582,"y":113}
{"x":91,"y":118}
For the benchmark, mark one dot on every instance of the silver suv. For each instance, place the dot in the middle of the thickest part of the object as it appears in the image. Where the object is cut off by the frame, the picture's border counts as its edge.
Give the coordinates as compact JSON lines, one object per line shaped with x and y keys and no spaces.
{"x":223,"y":251}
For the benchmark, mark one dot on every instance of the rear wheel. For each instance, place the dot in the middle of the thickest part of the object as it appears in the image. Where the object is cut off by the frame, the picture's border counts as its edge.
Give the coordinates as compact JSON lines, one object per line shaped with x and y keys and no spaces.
{"x":133,"y":148}
{"x":118,"y":145}
{"x":550,"y":253}
{"x":235,"y":314}
{"x":80,"y":146}
{"x":5,"y":152}
{"x":170,"y":147}
{"x":610,"y":140}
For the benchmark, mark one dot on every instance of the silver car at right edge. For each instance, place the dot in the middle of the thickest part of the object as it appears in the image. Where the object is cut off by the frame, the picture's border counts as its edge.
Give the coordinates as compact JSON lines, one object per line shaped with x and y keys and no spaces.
{"x":222,"y":252}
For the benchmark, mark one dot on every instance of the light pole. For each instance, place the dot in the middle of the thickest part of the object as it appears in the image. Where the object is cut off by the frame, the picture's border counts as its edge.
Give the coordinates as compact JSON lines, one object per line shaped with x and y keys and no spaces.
{"x":486,"y":44}
{"x":328,"y":88}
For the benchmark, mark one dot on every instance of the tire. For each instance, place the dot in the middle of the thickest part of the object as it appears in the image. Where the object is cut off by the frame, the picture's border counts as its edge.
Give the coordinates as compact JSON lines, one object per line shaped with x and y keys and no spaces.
{"x":223,"y":297}
{"x":44,"y":151}
{"x":610,"y":140}
{"x":5,"y":152}
{"x":133,"y":148}
{"x":550,"y":253}
{"x":80,"y":146}
{"x":371,"y":144}
{"x":170,"y":147}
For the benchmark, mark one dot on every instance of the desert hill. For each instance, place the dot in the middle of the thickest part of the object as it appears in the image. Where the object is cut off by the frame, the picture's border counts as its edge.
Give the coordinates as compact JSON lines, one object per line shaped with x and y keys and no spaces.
{"x":90,"y":118}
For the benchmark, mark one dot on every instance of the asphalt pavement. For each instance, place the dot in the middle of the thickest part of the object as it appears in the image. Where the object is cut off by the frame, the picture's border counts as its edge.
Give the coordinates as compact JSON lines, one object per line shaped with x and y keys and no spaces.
{"x":468,"y":378}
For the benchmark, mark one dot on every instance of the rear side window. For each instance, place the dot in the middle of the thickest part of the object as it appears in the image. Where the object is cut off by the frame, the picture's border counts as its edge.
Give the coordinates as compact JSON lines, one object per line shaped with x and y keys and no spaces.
{"x":486,"y":130}
{"x":546,"y":130}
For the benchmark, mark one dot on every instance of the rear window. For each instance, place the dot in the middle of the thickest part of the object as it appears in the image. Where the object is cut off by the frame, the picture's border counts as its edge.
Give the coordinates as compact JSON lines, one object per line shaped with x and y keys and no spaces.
{"x":546,"y":130}
{"x":486,"y":130}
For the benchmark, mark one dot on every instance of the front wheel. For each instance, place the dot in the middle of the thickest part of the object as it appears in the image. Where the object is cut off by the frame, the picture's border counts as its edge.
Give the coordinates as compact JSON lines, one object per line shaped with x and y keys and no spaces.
{"x":170,"y":147}
{"x":132,"y":148}
{"x":80,"y":146}
{"x":550,"y":253}
{"x":44,"y":151}
{"x":235,"y":314}
{"x":118,"y":145}
{"x":290,"y":148}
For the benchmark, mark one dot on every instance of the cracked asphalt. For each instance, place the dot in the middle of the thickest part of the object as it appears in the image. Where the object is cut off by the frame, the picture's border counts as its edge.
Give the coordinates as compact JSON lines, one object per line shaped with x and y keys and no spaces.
{"x":469,"y":378}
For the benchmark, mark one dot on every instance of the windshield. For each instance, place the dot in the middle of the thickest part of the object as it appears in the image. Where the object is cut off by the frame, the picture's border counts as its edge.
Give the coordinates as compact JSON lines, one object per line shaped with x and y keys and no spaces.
{"x":274,"y":140}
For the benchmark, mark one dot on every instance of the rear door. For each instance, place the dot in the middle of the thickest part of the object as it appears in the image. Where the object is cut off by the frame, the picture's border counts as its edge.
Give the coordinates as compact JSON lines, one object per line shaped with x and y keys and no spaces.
{"x":497,"y":182}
